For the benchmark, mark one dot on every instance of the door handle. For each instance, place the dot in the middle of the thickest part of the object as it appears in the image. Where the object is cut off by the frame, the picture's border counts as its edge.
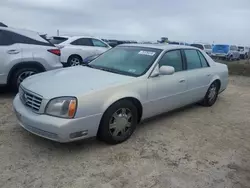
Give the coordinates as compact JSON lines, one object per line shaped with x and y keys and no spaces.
{"x":208,"y":74}
{"x":13,"y":51}
{"x":181,"y":81}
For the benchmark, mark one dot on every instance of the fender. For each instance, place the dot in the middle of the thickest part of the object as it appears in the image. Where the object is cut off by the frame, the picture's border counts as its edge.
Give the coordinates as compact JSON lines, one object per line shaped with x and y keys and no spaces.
{"x":118,"y":96}
{"x":24,"y":64}
{"x":215,"y":77}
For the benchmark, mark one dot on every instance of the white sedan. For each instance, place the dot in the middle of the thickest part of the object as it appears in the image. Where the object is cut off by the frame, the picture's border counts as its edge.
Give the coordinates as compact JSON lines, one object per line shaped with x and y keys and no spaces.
{"x":116,"y":91}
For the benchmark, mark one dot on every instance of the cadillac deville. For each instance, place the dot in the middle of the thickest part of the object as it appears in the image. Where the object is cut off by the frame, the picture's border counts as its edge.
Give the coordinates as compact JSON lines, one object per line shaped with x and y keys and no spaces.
{"x":108,"y":97}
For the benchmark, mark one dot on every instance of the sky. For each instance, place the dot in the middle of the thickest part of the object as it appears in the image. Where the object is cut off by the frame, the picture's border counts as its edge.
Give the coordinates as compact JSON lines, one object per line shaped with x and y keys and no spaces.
{"x":218,"y":21}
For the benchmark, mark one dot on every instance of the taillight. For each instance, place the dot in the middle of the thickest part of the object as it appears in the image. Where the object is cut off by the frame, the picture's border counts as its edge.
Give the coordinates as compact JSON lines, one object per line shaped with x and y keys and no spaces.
{"x":55,"y":51}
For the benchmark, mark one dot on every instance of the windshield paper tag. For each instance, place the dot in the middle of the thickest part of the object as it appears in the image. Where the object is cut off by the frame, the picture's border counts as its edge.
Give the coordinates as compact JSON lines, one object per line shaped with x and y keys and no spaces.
{"x":146,"y":53}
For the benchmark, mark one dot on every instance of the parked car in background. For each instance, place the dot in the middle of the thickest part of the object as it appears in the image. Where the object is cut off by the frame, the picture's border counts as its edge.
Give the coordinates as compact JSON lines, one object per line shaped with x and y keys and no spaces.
{"x":178,"y":43}
{"x":206,"y":47}
{"x":128,"y":84}
{"x":75,"y":49}
{"x":225,"y":51}
{"x":24,"y":53}
{"x":113,"y":43}
{"x":243,"y":51}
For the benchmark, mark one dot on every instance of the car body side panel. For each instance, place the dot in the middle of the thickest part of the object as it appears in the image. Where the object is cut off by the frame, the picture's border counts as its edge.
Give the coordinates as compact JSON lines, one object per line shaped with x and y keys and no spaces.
{"x":8,"y":60}
{"x":106,"y":97}
{"x":83,"y":51}
{"x":165,"y":92}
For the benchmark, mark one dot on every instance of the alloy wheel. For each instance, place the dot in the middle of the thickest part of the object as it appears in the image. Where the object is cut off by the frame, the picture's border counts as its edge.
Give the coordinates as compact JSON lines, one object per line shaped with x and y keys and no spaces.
{"x":212,"y":93}
{"x":75,"y":61}
{"x":24,"y":75}
{"x":120,"y":122}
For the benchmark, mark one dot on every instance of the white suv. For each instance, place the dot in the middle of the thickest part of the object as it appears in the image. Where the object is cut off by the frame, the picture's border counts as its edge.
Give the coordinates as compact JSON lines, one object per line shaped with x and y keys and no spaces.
{"x":24,"y":53}
{"x":75,"y":49}
{"x":244,"y":51}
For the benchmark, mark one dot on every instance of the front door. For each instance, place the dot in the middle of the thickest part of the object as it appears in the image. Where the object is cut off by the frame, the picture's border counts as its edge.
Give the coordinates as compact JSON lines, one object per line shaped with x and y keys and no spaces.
{"x":167,"y":92}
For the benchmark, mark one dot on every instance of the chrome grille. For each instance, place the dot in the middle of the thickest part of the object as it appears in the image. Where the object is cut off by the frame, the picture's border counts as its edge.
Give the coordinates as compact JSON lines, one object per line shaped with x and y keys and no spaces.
{"x":30,"y":100}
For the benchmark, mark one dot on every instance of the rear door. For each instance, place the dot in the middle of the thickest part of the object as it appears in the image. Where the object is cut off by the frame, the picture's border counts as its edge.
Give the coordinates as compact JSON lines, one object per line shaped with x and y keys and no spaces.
{"x":198,"y":74}
{"x":10,"y":54}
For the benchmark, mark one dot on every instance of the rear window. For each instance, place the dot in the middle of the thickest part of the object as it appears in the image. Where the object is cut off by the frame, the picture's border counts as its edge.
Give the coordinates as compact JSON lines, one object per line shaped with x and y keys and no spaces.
{"x":58,"y":40}
{"x":241,"y":48}
{"x":221,"y":48}
{"x":198,"y":46}
{"x":207,"y":46}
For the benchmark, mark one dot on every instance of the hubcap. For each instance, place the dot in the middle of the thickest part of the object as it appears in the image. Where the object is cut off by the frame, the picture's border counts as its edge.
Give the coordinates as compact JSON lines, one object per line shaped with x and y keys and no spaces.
{"x":24,"y":75}
{"x":75,"y":62}
{"x":212,"y":93}
{"x":120,"y":122}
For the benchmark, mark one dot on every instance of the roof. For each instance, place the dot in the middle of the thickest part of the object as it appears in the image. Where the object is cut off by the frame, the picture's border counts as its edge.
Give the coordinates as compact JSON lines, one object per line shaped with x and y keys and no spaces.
{"x":160,"y":46}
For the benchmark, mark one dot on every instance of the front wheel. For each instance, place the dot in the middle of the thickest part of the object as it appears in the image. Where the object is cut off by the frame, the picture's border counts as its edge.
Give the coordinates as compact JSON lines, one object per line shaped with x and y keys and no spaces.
{"x":20,"y":74}
{"x":211,"y":95}
{"x":118,"y":122}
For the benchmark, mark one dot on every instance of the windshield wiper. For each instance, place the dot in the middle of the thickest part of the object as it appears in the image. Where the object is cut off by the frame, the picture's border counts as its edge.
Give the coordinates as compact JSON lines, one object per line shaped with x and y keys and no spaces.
{"x":87,"y":65}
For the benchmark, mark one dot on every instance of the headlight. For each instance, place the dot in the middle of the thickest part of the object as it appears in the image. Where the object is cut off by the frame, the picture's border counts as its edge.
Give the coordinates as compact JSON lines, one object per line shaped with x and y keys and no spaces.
{"x":64,"y":107}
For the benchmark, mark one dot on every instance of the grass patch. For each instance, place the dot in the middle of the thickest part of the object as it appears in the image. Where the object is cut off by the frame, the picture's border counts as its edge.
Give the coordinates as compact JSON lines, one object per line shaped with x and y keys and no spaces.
{"x":241,"y":67}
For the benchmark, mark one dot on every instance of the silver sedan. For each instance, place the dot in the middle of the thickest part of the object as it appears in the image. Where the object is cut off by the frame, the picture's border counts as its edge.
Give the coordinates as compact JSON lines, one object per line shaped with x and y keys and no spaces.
{"x":110,"y":96}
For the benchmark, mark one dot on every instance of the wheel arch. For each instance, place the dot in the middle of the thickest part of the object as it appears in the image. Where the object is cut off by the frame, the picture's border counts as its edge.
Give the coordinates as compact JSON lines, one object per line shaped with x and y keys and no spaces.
{"x":216,"y":79}
{"x":33,"y":64}
{"x":134,"y":99}
{"x":74,"y":55}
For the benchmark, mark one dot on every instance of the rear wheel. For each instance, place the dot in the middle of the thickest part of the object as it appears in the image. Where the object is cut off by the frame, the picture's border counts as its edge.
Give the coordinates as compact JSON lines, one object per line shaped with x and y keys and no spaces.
{"x":74,"y":60}
{"x":118,"y":122}
{"x":230,"y":58}
{"x":211,"y":95}
{"x":20,"y":74}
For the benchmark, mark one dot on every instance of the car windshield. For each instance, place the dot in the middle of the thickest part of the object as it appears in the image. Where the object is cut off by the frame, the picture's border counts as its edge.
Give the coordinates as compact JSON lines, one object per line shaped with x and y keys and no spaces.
{"x":127,"y":60}
{"x":58,"y":40}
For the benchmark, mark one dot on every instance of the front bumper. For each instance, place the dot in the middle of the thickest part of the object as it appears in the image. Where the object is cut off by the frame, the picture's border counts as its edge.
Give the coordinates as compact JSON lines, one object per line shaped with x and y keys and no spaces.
{"x":54,"y":128}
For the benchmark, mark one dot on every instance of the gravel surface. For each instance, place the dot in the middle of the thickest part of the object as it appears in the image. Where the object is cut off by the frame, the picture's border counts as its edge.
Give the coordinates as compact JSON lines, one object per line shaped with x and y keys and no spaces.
{"x":189,"y":148}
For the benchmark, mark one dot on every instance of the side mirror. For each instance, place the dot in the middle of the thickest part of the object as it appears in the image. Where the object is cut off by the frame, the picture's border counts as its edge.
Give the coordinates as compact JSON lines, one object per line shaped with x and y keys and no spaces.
{"x":166,"y":70}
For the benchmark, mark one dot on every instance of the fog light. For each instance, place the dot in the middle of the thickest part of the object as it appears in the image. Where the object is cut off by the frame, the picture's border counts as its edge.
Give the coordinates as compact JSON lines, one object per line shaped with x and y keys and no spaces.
{"x":78,"y":134}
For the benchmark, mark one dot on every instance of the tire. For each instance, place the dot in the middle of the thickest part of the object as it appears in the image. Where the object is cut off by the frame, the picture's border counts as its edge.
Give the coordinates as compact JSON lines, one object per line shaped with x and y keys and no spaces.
{"x":111,"y":129}
{"x":208,"y":99}
{"x":231,"y":58}
{"x":74,"y":60}
{"x":20,"y":74}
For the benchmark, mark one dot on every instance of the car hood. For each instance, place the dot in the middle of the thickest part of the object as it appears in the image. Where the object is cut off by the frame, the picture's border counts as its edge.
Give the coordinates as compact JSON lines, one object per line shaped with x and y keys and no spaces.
{"x":73,"y":81}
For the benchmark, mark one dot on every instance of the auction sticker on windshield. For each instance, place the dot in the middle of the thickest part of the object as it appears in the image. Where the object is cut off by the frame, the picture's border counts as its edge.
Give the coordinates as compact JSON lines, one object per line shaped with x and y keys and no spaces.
{"x":146,"y":53}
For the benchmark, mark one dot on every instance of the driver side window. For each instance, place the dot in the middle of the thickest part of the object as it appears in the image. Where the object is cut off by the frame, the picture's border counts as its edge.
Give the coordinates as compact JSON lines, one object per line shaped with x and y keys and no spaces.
{"x":173,"y":59}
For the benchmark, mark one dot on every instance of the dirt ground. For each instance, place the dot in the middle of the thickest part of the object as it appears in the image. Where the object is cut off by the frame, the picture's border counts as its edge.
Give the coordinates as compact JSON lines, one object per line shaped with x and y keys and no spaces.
{"x":193,"y":147}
